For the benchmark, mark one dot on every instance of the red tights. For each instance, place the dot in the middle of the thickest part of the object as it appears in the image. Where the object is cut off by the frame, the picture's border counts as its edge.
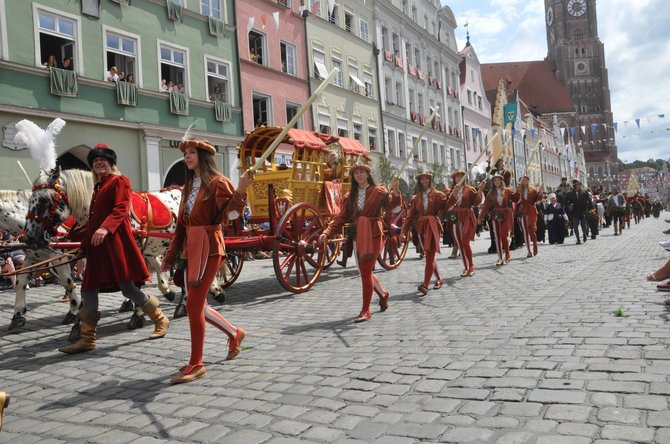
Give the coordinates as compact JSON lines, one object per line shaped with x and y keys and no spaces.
{"x":502,"y":243}
{"x":463,"y":238}
{"x":196,"y":305}
{"x":530,"y":233}
{"x":431,"y":268}
{"x":368,"y":279}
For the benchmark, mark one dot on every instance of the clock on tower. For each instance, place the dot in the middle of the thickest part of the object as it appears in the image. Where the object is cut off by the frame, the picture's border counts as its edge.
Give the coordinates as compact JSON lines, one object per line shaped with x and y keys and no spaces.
{"x":576,"y":8}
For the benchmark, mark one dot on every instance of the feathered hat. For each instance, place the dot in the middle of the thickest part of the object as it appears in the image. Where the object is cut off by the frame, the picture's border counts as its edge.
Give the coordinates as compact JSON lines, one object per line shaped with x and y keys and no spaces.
{"x":101,"y":150}
{"x":187,"y":141}
{"x":360,"y":164}
{"x":40,"y":142}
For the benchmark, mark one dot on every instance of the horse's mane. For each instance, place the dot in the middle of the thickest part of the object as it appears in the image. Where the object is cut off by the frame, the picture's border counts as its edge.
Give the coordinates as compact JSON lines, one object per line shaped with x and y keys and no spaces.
{"x":79,"y":188}
{"x":15,"y":195}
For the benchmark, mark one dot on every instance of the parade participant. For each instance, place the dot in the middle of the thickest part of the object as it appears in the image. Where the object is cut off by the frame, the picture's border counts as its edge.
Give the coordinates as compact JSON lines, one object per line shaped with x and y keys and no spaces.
{"x":556,"y":218}
{"x":578,"y":203}
{"x":499,"y":203}
{"x":208,"y":198}
{"x":527,"y":211}
{"x":616,"y":208}
{"x":113,"y":259}
{"x":541,"y":225}
{"x":500,"y":169}
{"x":562,"y":189}
{"x":333,"y":169}
{"x":424,"y":211}
{"x":462,"y":199}
{"x":362,"y":208}
{"x":4,"y":402}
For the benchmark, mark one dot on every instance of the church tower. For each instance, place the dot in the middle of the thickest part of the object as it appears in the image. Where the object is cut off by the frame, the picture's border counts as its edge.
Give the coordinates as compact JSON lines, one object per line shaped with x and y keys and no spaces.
{"x":573,"y":43}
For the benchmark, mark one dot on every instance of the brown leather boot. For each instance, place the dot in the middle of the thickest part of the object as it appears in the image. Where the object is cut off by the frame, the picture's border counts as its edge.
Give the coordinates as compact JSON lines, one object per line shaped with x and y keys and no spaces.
{"x":89,"y":321}
{"x":161,"y":322}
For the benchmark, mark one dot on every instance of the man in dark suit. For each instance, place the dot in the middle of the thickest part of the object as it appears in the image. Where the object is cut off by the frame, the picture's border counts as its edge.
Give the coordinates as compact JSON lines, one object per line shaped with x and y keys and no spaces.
{"x":579,"y":202}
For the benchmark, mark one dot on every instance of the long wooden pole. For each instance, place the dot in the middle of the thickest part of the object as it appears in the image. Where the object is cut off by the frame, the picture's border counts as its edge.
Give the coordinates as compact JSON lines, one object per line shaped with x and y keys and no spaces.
{"x":261,"y":160}
{"x":30,"y":182}
{"x":418,"y":140}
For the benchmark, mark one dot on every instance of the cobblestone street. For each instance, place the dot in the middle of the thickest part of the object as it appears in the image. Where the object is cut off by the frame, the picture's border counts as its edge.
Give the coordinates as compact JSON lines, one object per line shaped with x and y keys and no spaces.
{"x":530,"y":352}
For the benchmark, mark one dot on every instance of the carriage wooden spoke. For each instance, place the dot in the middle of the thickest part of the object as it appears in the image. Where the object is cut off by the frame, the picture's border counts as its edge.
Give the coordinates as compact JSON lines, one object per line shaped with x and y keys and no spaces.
{"x":231,"y":267}
{"x":394,"y":248}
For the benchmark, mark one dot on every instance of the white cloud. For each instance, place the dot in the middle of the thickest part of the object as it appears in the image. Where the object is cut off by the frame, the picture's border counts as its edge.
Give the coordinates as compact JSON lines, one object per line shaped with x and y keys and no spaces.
{"x":637,"y":54}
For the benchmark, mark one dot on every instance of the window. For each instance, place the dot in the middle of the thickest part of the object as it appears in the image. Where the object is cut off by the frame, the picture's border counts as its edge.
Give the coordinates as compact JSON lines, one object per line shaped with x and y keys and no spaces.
{"x":369,"y":92}
{"x":417,"y":57}
{"x":372,"y":138}
{"x":320,"y":70}
{"x":387,"y":90}
{"x":408,"y":52}
{"x":436,"y":153}
{"x":57,"y":39}
{"x":400,"y":101}
{"x":411,"y":101}
{"x":337,"y":80}
{"x":396,"y":44}
{"x":479,"y":103}
{"x":285,"y":3}
{"x":261,"y":107}
{"x":315,"y":7}
{"x":173,"y":65}
{"x":348,"y":21}
{"x":332,"y":17}
{"x":257,"y":47}
{"x":342,"y":130}
{"x":424,"y":150}
{"x":358,"y":129}
{"x":218,"y":80}
{"x":355,"y":82}
{"x":365,"y":33}
{"x":429,"y":63}
{"x":469,"y":97}
{"x":414,"y":15}
{"x":385,"y":37}
{"x":211,"y":8}
{"x":390,"y":136}
{"x":288,"y":64}
{"x":121,"y":51}
{"x":324,"y":123}
{"x":291,"y":111}
{"x":401,"y":145}
{"x":419,"y":103}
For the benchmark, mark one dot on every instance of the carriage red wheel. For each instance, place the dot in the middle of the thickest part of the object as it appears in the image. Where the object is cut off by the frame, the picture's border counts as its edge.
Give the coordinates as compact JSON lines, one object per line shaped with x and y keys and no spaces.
{"x":332,"y":252}
{"x":231,"y":267}
{"x":297,"y":259}
{"x":393,"y":248}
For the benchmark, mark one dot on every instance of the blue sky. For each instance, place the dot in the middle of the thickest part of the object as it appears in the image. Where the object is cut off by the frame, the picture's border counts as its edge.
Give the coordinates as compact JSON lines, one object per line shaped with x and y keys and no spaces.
{"x":637,"y":52}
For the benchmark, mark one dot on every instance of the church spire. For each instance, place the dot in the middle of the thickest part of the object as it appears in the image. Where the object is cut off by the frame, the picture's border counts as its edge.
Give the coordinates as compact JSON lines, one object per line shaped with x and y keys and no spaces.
{"x":467,"y":34}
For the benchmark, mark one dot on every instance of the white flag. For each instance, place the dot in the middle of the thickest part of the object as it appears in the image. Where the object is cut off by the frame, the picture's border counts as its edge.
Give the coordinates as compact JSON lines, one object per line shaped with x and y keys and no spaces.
{"x":275,"y":15}
{"x":331,"y":6}
{"x":250,"y":24}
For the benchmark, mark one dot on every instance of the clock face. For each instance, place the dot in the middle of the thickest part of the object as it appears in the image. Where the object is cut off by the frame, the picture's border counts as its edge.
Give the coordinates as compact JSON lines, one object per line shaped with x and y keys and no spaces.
{"x":581,"y":67}
{"x":550,"y":16}
{"x":576,"y":7}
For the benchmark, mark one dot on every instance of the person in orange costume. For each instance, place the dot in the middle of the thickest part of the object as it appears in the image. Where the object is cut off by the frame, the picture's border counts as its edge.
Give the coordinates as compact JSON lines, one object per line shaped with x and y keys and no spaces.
{"x":499,"y":203}
{"x":362,"y":209}
{"x":424,"y":210}
{"x":460,"y":203}
{"x":528,"y":196}
{"x":208,"y":198}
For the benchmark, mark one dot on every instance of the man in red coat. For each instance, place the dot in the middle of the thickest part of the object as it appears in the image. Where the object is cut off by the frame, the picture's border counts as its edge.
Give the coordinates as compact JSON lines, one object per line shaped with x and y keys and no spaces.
{"x":113,"y":259}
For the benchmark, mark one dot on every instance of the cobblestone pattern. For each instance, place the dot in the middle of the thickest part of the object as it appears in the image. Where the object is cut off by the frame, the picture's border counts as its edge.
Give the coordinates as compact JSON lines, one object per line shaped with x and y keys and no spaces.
{"x":525,"y":353}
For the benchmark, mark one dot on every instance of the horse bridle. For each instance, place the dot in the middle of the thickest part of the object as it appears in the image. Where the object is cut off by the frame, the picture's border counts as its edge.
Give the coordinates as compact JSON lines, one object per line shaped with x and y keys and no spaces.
{"x":48,"y":220}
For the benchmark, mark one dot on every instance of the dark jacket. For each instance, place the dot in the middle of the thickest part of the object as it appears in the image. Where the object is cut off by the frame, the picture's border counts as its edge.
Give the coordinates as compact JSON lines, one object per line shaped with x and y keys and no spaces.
{"x":578,"y":202}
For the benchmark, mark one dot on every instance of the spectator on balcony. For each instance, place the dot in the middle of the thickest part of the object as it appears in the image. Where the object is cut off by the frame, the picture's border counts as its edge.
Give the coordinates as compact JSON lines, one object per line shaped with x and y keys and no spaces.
{"x":51,"y":62}
{"x":67,"y":64}
{"x":130,"y":78}
{"x":111,"y":75}
{"x":216,"y":96}
{"x":164,"y":86}
{"x":180,"y":88}
{"x":170,"y":86}
{"x":122,"y":77}
{"x":252,"y":55}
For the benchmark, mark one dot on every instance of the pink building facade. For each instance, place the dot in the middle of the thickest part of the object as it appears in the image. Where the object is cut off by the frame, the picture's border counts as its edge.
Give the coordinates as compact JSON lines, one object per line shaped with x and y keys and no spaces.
{"x":273,"y":70}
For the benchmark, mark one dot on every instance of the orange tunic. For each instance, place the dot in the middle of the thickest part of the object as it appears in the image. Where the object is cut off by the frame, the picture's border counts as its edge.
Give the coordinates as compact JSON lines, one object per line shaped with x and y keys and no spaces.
{"x":208,"y":214}
{"x":376,"y":199}
{"x":427,"y":221}
{"x":526,"y":206}
{"x":464,"y":213}
{"x":501,"y":213}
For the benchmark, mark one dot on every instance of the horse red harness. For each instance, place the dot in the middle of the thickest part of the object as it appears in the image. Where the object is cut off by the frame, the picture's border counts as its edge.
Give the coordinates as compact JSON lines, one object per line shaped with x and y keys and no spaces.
{"x":48,"y":220}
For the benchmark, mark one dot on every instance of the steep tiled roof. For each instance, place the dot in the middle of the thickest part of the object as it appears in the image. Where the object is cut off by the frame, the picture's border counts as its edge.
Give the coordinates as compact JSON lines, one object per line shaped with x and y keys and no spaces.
{"x":535,"y":81}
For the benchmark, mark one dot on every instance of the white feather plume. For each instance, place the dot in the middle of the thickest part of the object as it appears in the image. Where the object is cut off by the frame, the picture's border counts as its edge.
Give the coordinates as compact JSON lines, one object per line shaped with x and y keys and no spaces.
{"x":187,"y":134}
{"x":40,"y":142}
{"x":479,"y":169}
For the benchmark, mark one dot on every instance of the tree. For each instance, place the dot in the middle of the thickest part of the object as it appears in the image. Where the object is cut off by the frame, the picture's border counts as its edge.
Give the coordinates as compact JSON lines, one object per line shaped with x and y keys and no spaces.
{"x":438,"y":174}
{"x":386,"y":170}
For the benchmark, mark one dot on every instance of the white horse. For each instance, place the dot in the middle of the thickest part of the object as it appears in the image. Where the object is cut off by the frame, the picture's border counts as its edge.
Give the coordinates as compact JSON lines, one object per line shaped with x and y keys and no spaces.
{"x":13,"y":210}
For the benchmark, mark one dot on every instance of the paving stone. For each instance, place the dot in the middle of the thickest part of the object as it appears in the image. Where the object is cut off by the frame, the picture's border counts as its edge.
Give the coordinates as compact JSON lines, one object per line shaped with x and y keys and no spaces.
{"x":516,"y":437}
{"x":525,"y":409}
{"x":557,"y":396}
{"x":636,"y":434}
{"x":568,"y":412}
{"x":462,"y":393}
{"x":577,"y":428}
{"x":645,"y":402}
{"x":467,"y":434}
{"x":659,"y":419}
{"x":556,"y":439}
{"x":620,"y":415}
{"x":616,"y":387}
{"x":368,"y":430}
{"x":418,"y":431}
{"x":497,"y":422}
{"x":662,"y":436}
{"x":508,"y":395}
{"x":604,"y":399}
